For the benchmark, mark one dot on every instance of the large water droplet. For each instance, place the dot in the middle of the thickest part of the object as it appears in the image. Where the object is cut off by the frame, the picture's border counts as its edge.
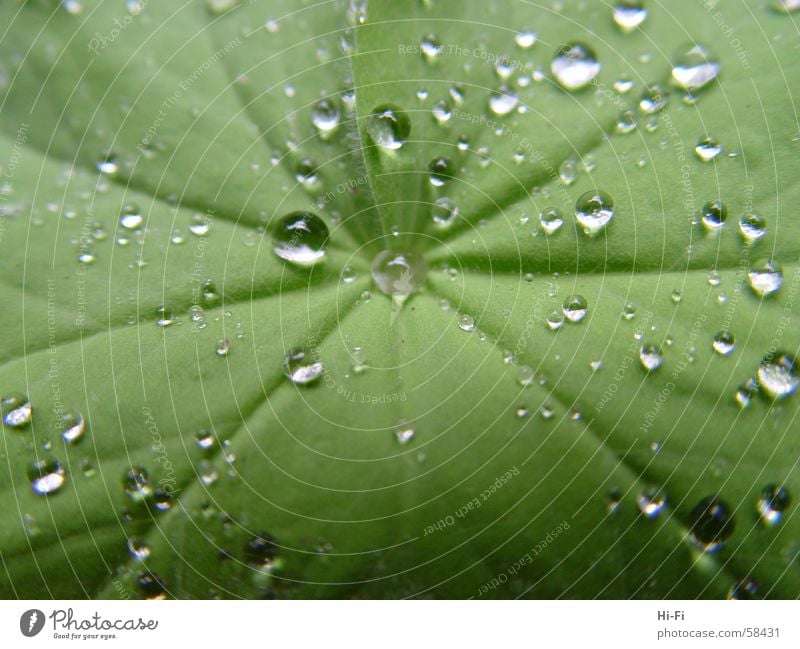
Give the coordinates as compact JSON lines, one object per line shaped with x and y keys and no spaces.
{"x":430,"y":47}
{"x":302,"y":366}
{"x":708,"y":148}
{"x":131,"y":217}
{"x":300,"y":238}
{"x":574,"y":66}
{"x":388,"y":126}
{"x":778,"y":375}
{"x":399,"y":274}
{"x":773,"y":501}
{"x":594,"y":210}
{"x":551,"y":219}
{"x":713,"y":215}
{"x":325,"y":116}
{"x":765,"y":278}
{"x":629,"y":14}
{"x":575,"y":308}
{"x":466,"y":322}
{"x":16,"y":409}
{"x":72,"y":425}
{"x":752,"y":227}
{"x":694,"y":67}
{"x":723,"y":343}
{"x":46,"y":476}
{"x":710,"y":524}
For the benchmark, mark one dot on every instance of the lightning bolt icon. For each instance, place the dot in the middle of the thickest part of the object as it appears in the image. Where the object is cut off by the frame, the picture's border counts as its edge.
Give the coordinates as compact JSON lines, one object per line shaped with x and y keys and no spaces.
{"x":32,"y":620}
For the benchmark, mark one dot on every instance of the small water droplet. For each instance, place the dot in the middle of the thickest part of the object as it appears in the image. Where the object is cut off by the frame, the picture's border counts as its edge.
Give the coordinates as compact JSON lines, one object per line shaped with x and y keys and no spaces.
{"x":223,"y":347}
{"x":46,"y":476}
{"x":707,"y":148}
{"x":653,"y":99}
{"x":629,"y":14}
{"x":651,"y":502}
{"x":164,"y":317}
{"x":525,"y":375}
{"x":713,"y":215}
{"x":752,"y":227}
{"x":466,"y":323}
{"x":16,"y":409}
{"x":743,"y":589}
{"x":138,"y":548}
{"x":574,"y":66}
{"x":650,"y":356}
{"x":388,"y":126}
{"x":442,"y":112}
{"x":404,"y":433}
{"x":745,"y":393}
{"x":204,"y":439}
{"x":430,"y":47}
{"x":72,"y":425}
{"x":503,"y":100}
{"x":765,"y":278}
{"x":444,"y":212}
{"x":325,"y":116}
{"x":778,"y":375}
{"x":773,"y":501}
{"x":301,"y":366}
{"x":555,"y":320}
{"x":575,"y":308}
{"x":723,"y":343}
{"x":200,"y":224}
{"x":136,"y":484}
{"x":710,"y":524}
{"x":131,"y":217}
{"x":261,"y":550}
{"x":594,"y":210}
{"x":694,"y":67}
{"x":149,"y":584}
{"x":551,"y":219}
{"x":440,"y":170}
{"x":629,"y":311}
{"x":399,"y":273}
{"x":107,"y":164}
{"x":300,"y":238}
{"x":626,"y":122}
{"x":568,"y":172}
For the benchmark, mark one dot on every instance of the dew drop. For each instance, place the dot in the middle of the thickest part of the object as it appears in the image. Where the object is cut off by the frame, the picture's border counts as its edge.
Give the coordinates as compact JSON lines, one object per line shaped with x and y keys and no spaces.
{"x":444,"y":212}
{"x":551,"y":219}
{"x":765,"y":278}
{"x":399,"y":273}
{"x":301,"y":366}
{"x":594,"y":210}
{"x":46,"y":476}
{"x":651,"y":502}
{"x":707,"y":148}
{"x":261,"y":550}
{"x":164,"y":317}
{"x":72,"y":425}
{"x":653,"y":100}
{"x":388,"y":126}
{"x":752,"y":227}
{"x":440,"y":170}
{"x":713,"y":215}
{"x":325,"y":116}
{"x":626,"y":122}
{"x":204,"y":439}
{"x":711,"y":524}
{"x":650,"y":357}
{"x":743,"y":589}
{"x":131,"y":217}
{"x":200,"y":224}
{"x":107,"y":164}
{"x":137,"y":548}
{"x":430,"y":47}
{"x":16,"y":409}
{"x":555,"y":320}
{"x":629,"y":14}
{"x":629,"y":311}
{"x":574,"y":66}
{"x":404,"y":433}
{"x":785,"y":6}
{"x":525,"y":38}
{"x":778,"y":375}
{"x":745,"y":393}
{"x":694,"y":67}
{"x":136,"y":484}
{"x":300,"y":238}
{"x":723,"y":343}
{"x":223,"y":347}
{"x":442,"y":112}
{"x":575,"y":308}
{"x":773,"y":501}
{"x":466,"y":323}
{"x":568,"y":172}
{"x":503,"y":100}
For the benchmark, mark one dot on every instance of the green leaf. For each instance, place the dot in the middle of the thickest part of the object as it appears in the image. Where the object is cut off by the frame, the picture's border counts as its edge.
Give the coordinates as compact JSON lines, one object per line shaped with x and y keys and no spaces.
{"x":530,"y":450}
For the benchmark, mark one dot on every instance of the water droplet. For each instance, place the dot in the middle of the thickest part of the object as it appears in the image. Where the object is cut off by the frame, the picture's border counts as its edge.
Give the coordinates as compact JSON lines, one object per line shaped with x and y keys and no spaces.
{"x":221,"y":6}
{"x":629,"y":14}
{"x":149,"y":584}
{"x":503,"y":100}
{"x":629,"y":311}
{"x":555,"y":320}
{"x":653,"y":100}
{"x":594,"y":210}
{"x":575,"y":308}
{"x":778,"y":375}
{"x":546,"y":411}
{"x":694,"y":67}
{"x":107,"y":164}
{"x":444,"y":212}
{"x":626,"y":122}
{"x":204,"y":439}
{"x":72,"y":425}
{"x":708,"y":148}
{"x":404,"y":433}
{"x":131,"y":217}
{"x":348,"y":274}
{"x":261,"y":550}
{"x":676,"y":296}
{"x":568,"y":172}
{"x":551,"y":219}
{"x":650,"y":357}
{"x":388,"y":126}
{"x":440,"y":170}
{"x":16,"y":410}
{"x":138,"y":548}
{"x":305,"y":172}
{"x":466,"y":322}
{"x":442,"y":112}
{"x":713,"y":215}
{"x":223,"y":347}
{"x":301,"y":366}
{"x":521,"y":412}
{"x":711,"y":524}
{"x":46,"y":476}
{"x":623,"y":85}
{"x":300,"y":238}
{"x":744,"y":589}
{"x":164,"y":317}
{"x":574,"y":66}
{"x":785,"y":6}
{"x":773,"y":501}
{"x":399,"y":274}
{"x":752,"y":227}
{"x":525,"y":375}
{"x":651,"y":502}
{"x":723,"y":343}
{"x":136,"y":484}
{"x":525,"y":38}
{"x":431,"y":47}
{"x":200,"y":224}
{"x":745,"y":393}
{"x":325,"y":116}
{"x":765,"y":278}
